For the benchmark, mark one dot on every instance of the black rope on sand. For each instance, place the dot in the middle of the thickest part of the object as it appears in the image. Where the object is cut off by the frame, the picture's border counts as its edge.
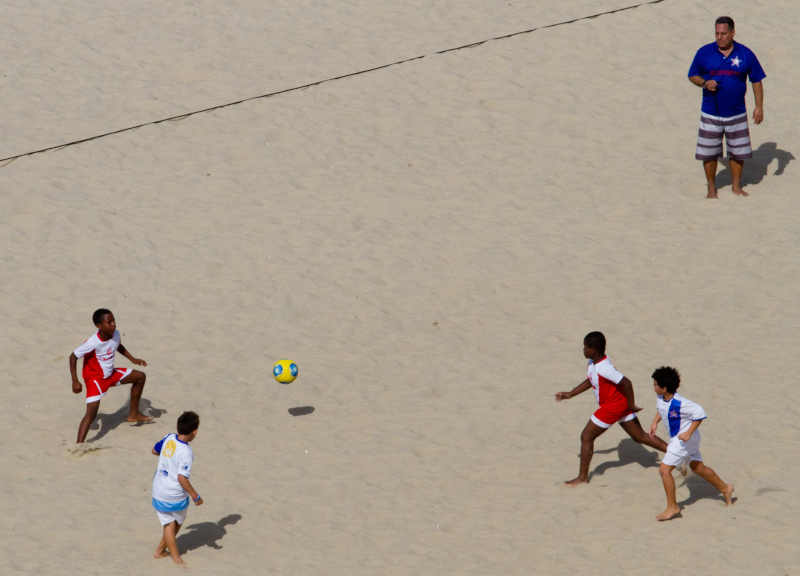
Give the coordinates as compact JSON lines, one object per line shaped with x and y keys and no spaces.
{"x":10,"y":159}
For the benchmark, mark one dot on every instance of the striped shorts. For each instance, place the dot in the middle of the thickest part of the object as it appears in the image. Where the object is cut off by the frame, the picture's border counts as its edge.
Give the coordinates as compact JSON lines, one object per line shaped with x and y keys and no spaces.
{"x":737,"y":137}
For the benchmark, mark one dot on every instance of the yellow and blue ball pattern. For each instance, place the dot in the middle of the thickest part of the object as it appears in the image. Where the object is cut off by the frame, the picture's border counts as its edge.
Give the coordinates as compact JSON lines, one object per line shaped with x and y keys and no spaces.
{"x":285,"y":371}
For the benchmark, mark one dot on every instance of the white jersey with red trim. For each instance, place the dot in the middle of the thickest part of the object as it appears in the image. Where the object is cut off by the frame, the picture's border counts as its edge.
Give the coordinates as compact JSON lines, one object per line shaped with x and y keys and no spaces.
{"x":98,"y":356}
{"x":604,"y":378}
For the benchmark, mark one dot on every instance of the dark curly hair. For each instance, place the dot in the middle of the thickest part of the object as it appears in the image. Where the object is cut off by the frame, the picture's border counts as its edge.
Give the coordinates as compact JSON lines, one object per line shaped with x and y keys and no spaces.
{"x":667,"y":377}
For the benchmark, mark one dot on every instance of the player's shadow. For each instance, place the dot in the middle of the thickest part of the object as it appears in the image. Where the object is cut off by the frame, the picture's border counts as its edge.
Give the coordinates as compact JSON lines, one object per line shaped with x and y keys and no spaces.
{"x":105,"y":423}
{"x":629,"y":452}
{"x":699,"y":489}
{"x":205,"y":534}
{"x":756,"y":169}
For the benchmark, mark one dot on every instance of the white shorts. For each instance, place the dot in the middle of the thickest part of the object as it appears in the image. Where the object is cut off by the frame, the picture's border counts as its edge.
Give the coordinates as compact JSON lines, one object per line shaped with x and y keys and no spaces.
{"x":169,"y":517}
{"x":680,"y":453}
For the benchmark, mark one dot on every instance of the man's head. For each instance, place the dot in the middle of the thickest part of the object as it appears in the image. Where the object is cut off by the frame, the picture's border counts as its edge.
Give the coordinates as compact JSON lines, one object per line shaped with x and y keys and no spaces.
{"x":594,"y":343}
{"x":188,"y":423}
{"x":724,"y":32}
{"x":666,"y":380}
{"x":104,"y":320}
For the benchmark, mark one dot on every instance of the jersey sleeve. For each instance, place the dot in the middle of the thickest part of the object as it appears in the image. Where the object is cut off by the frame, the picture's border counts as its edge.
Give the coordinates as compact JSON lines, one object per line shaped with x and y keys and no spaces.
{"x":160,"y":444}
{"x":84,"y":348}
{"x":692,"y":410}
{"x":696,"y":69}
{"x":185,"y":465}
{"x":608,"y":372}
{"x":756,"y":72}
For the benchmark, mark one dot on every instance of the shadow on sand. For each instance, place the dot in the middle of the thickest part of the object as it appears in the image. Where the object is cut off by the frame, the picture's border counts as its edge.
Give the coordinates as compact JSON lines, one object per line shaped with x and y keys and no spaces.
{"x":756,"y":169}
{"x":105,"y":423}
{"x":629,"y":452}
{"x":205,"y":534}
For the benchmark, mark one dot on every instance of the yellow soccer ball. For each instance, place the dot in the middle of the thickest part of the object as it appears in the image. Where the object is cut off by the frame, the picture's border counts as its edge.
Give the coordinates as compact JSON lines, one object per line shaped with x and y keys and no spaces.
{"x":285,"y":371}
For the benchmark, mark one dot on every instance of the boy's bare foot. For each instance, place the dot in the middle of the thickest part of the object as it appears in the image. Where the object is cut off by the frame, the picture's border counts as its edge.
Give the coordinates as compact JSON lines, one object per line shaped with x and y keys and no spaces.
{"x":739,"y":192}
{"x":712,"y":192}
{"x":728,"y":493}
{"x":668,"y":514}
{"x":182,"y":564}
{"x":684,"y":470}
{"x":139,"y":418}
{"x":162,"y":554}
{"x":574,"y":482}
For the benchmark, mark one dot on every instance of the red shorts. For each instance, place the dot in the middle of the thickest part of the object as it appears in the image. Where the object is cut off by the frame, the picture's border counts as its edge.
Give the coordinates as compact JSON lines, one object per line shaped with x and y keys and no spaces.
{"x":606,"y":416}
{"x":96,"y":389}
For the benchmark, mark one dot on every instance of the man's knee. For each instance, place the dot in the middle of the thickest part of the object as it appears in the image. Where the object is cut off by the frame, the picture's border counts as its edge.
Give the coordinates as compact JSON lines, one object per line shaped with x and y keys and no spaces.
{"x":137,"y":377}
{"x":665,"y":470}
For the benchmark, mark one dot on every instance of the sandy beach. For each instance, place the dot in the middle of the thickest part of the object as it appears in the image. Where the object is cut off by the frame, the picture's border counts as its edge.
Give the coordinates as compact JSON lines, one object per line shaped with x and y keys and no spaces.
{"x":429,"y":242}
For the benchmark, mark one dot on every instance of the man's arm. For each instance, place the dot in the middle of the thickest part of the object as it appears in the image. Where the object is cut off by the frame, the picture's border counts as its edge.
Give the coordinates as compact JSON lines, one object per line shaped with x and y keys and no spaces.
{"x":186,"y":485}
{"x":580,"y":388}
{"x":124,"y":351}
{"x":758,"y":92}
{"x":627,"y":390}
{"x":709,"y":84}
{"x":688,"y":434}
{"x":73,"y":368}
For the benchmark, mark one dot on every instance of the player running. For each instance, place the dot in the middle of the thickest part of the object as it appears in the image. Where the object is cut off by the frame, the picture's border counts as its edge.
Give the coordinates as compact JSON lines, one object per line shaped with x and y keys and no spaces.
{"x":614,"y":393}
{"x":99,"y":373}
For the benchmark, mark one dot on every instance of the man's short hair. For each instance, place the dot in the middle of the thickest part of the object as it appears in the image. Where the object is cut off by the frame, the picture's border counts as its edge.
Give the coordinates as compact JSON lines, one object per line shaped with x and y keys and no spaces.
{"x":667,"y":377}
{"x":97,"y":317}
{"x":725,"y":20}
{"x":597,"y":341}
{"x":188,"y":422}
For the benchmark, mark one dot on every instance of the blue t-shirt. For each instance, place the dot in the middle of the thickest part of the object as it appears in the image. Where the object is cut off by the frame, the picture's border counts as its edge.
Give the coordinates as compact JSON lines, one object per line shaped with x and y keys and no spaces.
{"x":731,"y":74}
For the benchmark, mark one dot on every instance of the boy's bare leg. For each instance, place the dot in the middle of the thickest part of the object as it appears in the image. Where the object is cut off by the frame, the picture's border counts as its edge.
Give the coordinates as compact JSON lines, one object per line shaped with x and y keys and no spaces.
{"x":635,"y":431}
{"x":168,"y":542}
{"x":669,"y":487}
{"x":590,"y":432}
{"x":88,"y":419}
{"x":711,"y":477}
{"x":736,"y":176}
{"x":137,"y":379}
{"x":161,"y":549}
{"x":710,"y":167}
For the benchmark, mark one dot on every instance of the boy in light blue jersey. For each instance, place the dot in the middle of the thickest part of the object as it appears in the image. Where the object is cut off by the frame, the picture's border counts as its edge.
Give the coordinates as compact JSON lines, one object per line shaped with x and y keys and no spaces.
{"x":682,"y":418}
{"x":171,"y":486}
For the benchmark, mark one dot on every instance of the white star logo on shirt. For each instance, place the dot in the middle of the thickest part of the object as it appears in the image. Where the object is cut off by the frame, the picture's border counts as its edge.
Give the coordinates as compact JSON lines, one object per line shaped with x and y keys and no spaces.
{"x":735,"y":61}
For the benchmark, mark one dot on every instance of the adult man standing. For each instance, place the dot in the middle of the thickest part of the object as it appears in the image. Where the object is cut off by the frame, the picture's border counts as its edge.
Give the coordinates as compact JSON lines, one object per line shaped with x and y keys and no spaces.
{"x":721,"y":70}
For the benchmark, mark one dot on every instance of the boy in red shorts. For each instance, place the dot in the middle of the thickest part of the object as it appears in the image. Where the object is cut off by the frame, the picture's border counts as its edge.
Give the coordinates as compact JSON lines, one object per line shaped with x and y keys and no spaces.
{"x":99,"y":373}
{"x":614,"y":393}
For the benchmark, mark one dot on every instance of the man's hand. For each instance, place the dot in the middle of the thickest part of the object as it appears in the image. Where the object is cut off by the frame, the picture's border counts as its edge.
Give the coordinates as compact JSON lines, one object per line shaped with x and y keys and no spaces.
{"x":563,"y":396}
{"x":76,"y":387}
{"x":138,"y":362}
{"x":711,"y":85}
{"x":685,"y":436}
{"x":758,"y":115}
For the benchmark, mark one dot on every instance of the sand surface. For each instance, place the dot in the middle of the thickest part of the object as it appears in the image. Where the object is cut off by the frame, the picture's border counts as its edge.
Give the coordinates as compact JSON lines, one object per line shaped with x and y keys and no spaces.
{"x":430,"y":243}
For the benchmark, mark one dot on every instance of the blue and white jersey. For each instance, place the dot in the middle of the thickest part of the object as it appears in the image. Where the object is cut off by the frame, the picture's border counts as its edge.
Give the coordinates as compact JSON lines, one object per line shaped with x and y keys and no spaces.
{"x":678,"y":414}
{"x":175,"y":457}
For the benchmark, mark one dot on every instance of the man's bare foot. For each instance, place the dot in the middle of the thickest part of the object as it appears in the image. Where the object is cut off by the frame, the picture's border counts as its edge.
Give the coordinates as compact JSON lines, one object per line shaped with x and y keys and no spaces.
{"x":634,"y":408}
{"x":668,"y":514}
{"x":575,"y":482}
{"x":739,"y":191}
{"x":684,"y":470}
{"x":712,"y":192}
{"x":139,"y":417}
{"x":162,"y":554}
{"x":728,"y":493}
{"x":182,"y":564}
